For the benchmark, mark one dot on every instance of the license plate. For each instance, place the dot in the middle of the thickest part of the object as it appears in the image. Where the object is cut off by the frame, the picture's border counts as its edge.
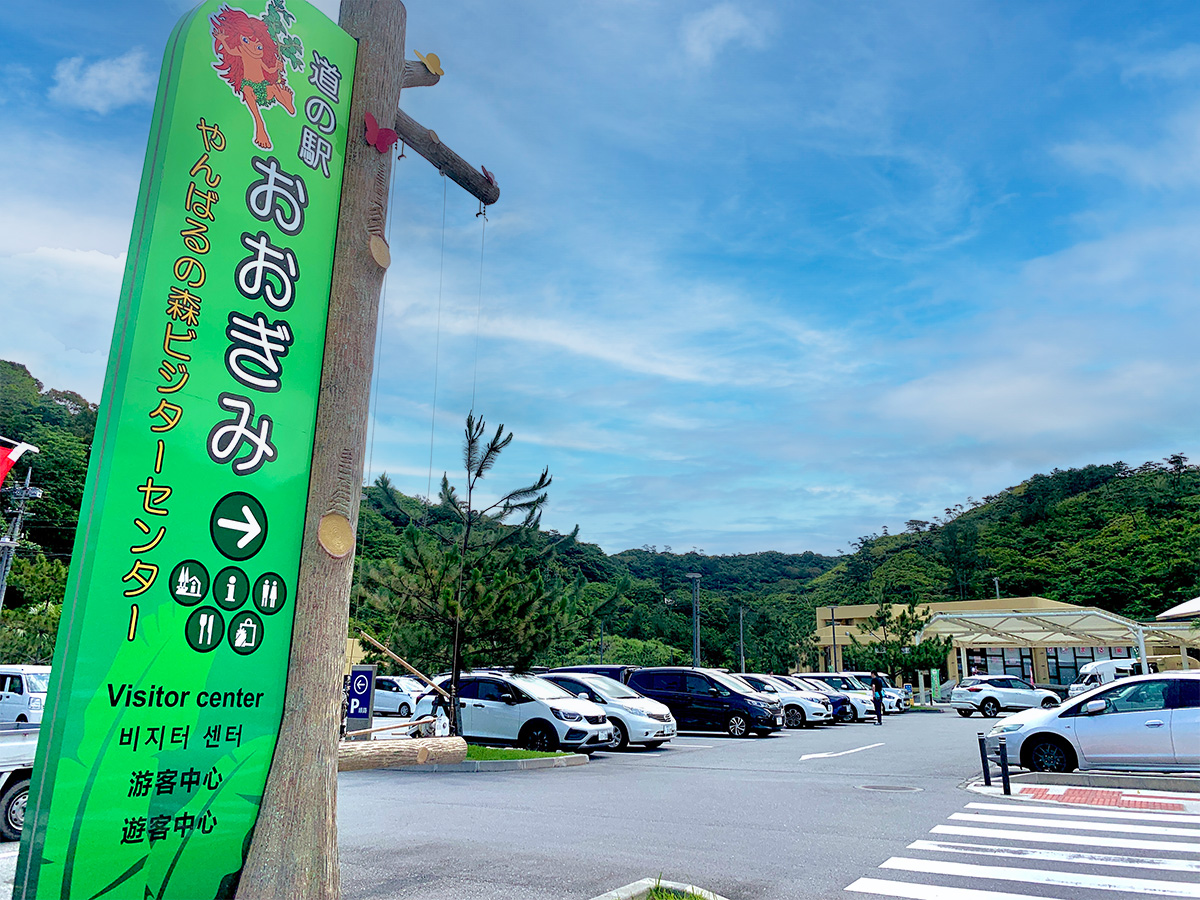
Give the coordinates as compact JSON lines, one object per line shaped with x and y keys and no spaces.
{"x":606,"y":735}
{"x":670,"y":729}
{"x":779,"y":720}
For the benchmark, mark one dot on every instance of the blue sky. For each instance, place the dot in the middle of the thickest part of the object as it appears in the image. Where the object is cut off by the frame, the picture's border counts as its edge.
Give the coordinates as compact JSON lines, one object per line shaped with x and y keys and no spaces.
{"x":763,"y":276}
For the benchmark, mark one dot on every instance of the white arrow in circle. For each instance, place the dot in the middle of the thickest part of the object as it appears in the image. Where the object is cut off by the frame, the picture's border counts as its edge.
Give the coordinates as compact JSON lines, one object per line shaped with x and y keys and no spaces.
{"x":250,"y":527}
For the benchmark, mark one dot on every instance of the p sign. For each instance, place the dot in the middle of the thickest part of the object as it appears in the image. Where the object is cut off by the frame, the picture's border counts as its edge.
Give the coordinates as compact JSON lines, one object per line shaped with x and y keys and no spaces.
{"x":360,"y":699}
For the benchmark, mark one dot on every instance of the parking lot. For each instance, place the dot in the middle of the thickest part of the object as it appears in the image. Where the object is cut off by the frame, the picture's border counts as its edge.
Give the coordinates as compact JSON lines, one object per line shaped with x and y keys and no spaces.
{"x":797,"y":814}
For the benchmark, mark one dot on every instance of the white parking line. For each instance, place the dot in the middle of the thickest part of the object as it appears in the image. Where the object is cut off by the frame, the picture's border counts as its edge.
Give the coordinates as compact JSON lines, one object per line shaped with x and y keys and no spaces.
{"x":1082,"y":826}
{"x":1075,"y":840}
{"x":1024,"y":808}
{"x":1045,"y":876}
{"x":930,"y":891}
{"x":838,"y":753}
{"x":1075,"y":857}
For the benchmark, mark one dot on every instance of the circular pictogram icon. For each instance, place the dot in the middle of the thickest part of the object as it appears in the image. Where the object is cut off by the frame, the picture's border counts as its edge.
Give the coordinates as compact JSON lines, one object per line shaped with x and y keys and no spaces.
{"x":245,"y":633}
{"x":361,"y":684}
{"x":238,"y":526}
{"x":269,"y":594}
{"x":204,"y":629}
{"x":189,"y":582}
{"x":231,"y":587}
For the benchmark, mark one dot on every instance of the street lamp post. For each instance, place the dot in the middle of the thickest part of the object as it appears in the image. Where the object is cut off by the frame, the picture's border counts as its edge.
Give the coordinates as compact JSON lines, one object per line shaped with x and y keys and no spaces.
{"x":695,"y":576}
{"x":833,"y":646}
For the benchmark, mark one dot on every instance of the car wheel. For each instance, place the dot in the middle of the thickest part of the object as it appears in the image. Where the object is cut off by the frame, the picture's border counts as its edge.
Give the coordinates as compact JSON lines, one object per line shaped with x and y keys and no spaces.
{"x":989,"y":708}
{"x":1049,"y":704}
{"x":1050,"y":755}
{"x":793,"y":717}
{"x":737,"y":726}
{"x":620,"y":735}
{"x":12,"y":810}
{"x":405,"y":710}
{"x":539,"y":736}
{"x":965,"y":713}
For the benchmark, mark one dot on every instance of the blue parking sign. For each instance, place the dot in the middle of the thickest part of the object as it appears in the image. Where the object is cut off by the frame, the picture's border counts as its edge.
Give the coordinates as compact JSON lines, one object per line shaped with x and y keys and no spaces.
{"x":360,"y":698}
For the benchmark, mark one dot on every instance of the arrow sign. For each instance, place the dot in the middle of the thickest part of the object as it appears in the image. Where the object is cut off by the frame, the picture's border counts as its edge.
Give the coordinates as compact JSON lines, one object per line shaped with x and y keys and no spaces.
{"x":839,"y":753}
{"x":238,"y":526}
{"x":249,"y":525}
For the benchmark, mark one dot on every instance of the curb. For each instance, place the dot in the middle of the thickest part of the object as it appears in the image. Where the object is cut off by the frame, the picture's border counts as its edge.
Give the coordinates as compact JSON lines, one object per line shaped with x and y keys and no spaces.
{"x":1147,"y":782}
{"x":639,"y":889}
{"x":501,"y":765}
{"x":926,"y":711}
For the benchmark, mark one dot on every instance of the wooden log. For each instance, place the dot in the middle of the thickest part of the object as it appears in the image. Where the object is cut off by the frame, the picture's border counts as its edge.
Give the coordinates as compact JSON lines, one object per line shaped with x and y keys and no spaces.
{"x":417,"y":74}
{"x":410,"y":723}
{"x":294,"y":849}
{"x":426,"y":142}
{"x":357,"y":755}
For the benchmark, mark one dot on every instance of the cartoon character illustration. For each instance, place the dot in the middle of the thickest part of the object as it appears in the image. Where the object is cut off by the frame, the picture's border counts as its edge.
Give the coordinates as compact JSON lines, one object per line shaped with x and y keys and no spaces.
{"x":250,"y":61}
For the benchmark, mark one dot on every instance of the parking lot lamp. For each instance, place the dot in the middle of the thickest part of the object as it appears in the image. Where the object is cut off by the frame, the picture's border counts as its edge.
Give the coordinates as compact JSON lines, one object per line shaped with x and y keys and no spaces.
{"x":695,"y":576}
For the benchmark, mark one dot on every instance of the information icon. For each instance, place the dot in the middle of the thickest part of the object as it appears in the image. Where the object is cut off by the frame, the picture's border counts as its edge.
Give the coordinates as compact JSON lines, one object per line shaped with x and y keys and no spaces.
{"x":189,"y":582}
{"x":205,"y":628}
{"x":270,"y":593}
{"x":245,"y":633}
{"x":231,"y":588}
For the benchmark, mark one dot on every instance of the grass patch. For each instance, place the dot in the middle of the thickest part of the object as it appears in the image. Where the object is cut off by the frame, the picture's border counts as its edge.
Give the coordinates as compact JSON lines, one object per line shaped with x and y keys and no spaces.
{"x":474,"y":751}
{"x":662,"y":893}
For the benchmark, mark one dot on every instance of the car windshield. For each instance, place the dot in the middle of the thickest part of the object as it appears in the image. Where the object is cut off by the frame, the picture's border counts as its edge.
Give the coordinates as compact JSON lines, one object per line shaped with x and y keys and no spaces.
{"x":732,"y":682}
{"x":539,"y":687}
{"x":609,"y":688}
{"x":968,"y":682}
{"x":37,"y":681}
{"x":767,"y":687}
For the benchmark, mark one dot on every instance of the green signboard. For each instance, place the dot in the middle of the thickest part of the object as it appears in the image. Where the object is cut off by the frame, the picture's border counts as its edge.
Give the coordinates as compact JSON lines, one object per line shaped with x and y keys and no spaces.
{"x":171,"y":663}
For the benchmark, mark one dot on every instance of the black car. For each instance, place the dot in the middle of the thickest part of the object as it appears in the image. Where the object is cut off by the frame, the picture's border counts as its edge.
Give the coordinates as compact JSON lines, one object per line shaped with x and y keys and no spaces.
{"x":708,"y":700}
{"x":616,"y":673}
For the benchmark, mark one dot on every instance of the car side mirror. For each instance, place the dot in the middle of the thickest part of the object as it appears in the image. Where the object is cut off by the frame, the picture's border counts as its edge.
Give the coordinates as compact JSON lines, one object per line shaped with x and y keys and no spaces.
{"x":1094,"y":707}
{"x":508,"y":698}
{"x":714,"y":692}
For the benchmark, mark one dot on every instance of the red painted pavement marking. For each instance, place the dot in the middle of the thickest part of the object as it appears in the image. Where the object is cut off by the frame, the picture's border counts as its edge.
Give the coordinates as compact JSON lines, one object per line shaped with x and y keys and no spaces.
{"x":1100,"y":797}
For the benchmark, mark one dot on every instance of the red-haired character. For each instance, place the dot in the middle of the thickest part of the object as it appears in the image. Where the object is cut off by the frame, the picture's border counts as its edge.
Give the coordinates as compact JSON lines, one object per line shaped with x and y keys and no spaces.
{"x":249,"y":61}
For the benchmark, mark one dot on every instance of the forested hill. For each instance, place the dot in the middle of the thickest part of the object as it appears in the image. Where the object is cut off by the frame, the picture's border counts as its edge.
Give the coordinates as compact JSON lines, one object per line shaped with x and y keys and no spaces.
{"x":1123,"y":539}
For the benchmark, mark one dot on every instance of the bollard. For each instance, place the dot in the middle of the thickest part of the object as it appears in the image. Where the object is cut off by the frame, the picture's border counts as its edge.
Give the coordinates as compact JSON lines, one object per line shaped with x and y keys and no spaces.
{"x":987,"y":769}
{"x":1004,"y":766}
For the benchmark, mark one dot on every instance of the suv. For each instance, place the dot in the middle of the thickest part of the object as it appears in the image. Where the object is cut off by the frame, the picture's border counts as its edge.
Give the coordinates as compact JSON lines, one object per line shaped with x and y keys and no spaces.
{"x":989,"y":694}
{"x":801,"y":709}
{"x":524,"y":710}
{"x":708,"y":700}
{"x":23,"y":693}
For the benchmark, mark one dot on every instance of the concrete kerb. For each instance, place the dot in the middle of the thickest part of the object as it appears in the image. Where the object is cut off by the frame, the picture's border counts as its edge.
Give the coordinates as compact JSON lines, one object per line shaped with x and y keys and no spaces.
{"x":1147,"y":781}
{"x":501,"y":765}
{"x":640,"y":889}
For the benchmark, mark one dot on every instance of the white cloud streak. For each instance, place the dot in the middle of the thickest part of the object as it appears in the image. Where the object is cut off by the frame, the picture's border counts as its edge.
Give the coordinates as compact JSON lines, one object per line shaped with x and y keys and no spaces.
{"x":105,"y":84}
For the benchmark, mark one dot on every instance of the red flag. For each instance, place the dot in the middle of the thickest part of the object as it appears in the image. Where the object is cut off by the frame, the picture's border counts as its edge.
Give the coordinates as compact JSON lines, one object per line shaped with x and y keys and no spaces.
{"x":9,"y":455}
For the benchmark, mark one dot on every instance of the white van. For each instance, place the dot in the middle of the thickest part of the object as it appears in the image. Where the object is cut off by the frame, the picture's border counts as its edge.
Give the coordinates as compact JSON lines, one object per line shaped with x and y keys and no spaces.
{"x":1102,"y":671}
{"x":23,"y":693}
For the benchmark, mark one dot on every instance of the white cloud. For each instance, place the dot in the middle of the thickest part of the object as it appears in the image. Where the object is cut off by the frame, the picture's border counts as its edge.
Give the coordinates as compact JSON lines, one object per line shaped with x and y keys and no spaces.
{"x":710,"y":32}
{"x":1182,"y":62}
{"x":1172,"y":161}
{"x":104,"y":85}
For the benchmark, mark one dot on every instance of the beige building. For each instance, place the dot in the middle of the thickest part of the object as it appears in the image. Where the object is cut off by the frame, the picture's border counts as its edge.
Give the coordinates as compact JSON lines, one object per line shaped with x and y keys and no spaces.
{"x":1040,"y":640}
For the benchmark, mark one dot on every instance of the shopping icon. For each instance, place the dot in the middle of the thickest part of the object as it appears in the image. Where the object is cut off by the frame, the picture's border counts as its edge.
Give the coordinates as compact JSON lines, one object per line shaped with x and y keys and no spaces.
{"x":245,"y":633}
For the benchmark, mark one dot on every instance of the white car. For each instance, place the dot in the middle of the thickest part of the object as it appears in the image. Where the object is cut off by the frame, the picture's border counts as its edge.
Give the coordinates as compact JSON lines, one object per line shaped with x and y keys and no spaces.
{"x":902,"y":700}
{"x":1149,"y":722}
{"x":855,"y":689}
{"x":23,"y":693}
{"x":635,"y":719}
{"x":1102,"y":671}
{"x":989,"y":694}
{"x":859,"y":706}
{"x":396,"y":694}
{"x":525,"y":711}
{"x":801,"y":709}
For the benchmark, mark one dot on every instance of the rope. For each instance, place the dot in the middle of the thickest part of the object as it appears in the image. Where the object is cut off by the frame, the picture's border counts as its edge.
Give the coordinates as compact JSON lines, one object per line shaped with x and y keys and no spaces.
{"x":478,"y":312}
{"x":436,"y":354}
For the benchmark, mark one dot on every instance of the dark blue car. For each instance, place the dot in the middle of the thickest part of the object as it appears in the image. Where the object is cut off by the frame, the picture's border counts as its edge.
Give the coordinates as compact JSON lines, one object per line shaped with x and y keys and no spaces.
{"x":843,"y":709}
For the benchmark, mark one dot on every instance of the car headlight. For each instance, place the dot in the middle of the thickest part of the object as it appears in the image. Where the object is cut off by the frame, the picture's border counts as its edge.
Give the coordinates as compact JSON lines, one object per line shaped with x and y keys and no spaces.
{"x":1006,"y":728}
{"x":566,"y":715}
{"x":761,"y":704}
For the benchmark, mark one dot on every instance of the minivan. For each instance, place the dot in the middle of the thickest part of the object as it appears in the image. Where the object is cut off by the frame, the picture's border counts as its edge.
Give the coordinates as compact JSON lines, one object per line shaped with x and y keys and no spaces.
{"x":23,"y":693}
{"x":708,"y":700}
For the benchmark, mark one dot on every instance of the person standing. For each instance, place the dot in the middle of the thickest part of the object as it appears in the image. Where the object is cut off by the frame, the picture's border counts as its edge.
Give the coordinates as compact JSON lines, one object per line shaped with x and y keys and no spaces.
{"x":877,"y":695}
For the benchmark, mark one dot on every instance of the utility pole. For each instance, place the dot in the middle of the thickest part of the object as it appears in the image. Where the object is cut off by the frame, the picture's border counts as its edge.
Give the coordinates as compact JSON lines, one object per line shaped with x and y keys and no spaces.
{"x":294,"y":849}
{"x":9,"y":540}
{"x":695,"y":577}
{"x":741,"y":639}
{"x":833,"y":648}
{"x":996,"y":581}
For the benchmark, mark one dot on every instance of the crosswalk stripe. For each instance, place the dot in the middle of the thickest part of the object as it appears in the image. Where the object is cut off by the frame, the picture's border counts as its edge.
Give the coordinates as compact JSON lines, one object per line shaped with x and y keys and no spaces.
{"x":1122,"y":827}
{"x":911,"y":891}
{"x":1077,"y":840}
{"x":1045,"y":876}
{"x":1066,"y":856}
{"x":1093,"y":813}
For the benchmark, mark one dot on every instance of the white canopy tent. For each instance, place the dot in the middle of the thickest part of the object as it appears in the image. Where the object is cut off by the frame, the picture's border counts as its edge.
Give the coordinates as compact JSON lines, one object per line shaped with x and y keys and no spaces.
{"x":1082,"y":627}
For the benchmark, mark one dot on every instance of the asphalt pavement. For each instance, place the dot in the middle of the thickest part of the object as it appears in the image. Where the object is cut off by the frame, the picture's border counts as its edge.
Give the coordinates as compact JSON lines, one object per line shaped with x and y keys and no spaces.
{"x":799,"y":814}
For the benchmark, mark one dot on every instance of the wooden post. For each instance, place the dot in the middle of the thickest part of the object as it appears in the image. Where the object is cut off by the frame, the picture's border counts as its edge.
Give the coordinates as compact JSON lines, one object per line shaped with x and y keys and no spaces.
{"x":294,"y":849}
